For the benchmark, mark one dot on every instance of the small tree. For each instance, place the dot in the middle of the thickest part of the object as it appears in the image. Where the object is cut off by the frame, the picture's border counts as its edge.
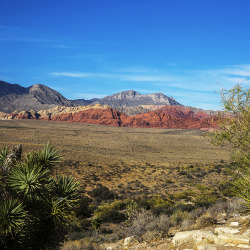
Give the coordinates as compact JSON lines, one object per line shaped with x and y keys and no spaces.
{"x":34,"y":205}
{"x":235,"y":125}
{"x":235,"y":131}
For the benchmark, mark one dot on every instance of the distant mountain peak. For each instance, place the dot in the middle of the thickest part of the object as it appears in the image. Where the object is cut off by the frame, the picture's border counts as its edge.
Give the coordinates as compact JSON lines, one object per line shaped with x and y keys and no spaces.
{"x":131,"y":98}
{"x":39,"y":87}
{"x":129,"y":94}
{"x":36,"y":97}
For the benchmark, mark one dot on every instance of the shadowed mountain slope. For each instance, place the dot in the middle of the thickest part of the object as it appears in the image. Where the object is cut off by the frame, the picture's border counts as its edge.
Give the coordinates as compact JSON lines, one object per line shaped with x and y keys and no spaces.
{"x":36,"y":97}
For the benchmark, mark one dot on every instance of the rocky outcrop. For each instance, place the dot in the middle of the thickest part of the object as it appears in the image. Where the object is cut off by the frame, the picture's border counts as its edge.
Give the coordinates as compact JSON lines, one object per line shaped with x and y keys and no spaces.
{"x":216,"y":237}
{"x":166,"y":117}
{"x":226,"y":237}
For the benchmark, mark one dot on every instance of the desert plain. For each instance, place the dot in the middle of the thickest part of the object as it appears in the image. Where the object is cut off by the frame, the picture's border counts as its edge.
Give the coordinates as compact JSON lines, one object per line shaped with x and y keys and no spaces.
{"x":131,"y":161}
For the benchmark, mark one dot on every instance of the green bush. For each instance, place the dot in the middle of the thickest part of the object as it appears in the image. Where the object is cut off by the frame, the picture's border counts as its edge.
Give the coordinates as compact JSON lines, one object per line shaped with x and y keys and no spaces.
{"x":205,"y":200}
{"x":83,"y":207}
{"x":159,"y":205}
{"x":110,"y":212}
{"x":102,"y":193}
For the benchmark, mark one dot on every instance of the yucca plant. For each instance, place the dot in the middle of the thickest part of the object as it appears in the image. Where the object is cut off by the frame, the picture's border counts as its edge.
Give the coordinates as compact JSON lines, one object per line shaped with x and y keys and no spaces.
{"x":3,"y":155}
{"x":49,"y":156}
{"x":12,"y":216}
{"x":35,"y":206}
{"x":28,"y":181}
{"x":65,"y":187}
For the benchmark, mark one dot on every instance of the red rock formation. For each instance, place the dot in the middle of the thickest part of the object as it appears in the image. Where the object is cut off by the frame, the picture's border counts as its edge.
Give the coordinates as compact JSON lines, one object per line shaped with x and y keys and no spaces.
{"x":166,"y":117}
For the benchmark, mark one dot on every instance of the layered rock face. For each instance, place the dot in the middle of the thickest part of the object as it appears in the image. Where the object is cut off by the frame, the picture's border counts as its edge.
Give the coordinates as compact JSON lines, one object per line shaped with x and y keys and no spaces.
{"x":165,"y":117}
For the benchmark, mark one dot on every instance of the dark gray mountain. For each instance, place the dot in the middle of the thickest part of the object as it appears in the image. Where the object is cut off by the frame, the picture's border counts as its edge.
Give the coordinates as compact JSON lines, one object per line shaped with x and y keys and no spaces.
{"x":132,"y":98}
{"x":36,"y":97}
{"x":9,"y":89}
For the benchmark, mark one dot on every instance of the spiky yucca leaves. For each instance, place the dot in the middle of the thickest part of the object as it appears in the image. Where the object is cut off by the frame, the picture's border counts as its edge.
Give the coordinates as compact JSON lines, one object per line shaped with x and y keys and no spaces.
{"x":66,"y":187}
{"x":63,"y":194}
{"x":44,"y":202}
{"x":12,"y":216}
{"x":56,"y":210}
{"x":3,"y":155}
{"x":28,"y":181}
{"x":49,"y":156}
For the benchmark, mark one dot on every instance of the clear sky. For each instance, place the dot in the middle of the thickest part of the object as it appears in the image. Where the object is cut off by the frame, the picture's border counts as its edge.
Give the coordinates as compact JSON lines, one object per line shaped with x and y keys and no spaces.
{"x":94,"y":48}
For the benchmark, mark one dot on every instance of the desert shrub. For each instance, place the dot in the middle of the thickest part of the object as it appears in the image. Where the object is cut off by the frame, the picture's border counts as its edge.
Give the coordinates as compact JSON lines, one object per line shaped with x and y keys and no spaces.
{"x":84,"y":244}
{"x":110,"y":212}
{"x":179,"y":195}
{"x":187,"y":223}
{"x":196,"y":213}
{"x":205,"y":200}
{"x":168,"y":181}
{"x":217,"y":208}
{"x":83,"y":207}
{"x":205,"y":221}
{"x":145,"y":221}
{"x":178,"y":216}
{"x":110,"y":215}
{"x":78,"y":224}
{"x":102,"y":193}
{"x":183,"y":207}
{"x":201,"y":187}
{"x":242,"y":189}
{"x":234,"y":205}
{"x":246,"y":224}
{"x":226,"y":188}
{"x":159,"y":205}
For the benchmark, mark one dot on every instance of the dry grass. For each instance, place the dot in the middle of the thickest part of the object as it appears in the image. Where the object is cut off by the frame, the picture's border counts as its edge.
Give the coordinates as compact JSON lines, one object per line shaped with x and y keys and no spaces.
{"x":129,"y":160}
{"x":104,"y":144}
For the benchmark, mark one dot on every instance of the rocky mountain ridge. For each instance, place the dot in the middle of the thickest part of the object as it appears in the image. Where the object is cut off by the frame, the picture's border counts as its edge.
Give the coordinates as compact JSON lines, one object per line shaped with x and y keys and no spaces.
{"x":131,"y":98}
{"x":36,"y":97}
{"x":165,"y":117}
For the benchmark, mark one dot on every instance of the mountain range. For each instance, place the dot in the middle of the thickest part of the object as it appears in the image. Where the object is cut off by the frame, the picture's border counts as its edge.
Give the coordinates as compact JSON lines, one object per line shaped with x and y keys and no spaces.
{"x":37,"y":97}
{"x":124,"y":109}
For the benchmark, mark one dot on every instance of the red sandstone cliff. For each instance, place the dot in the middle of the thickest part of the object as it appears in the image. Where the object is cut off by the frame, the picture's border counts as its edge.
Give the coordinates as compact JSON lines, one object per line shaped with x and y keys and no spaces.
{"x":165,"y":117}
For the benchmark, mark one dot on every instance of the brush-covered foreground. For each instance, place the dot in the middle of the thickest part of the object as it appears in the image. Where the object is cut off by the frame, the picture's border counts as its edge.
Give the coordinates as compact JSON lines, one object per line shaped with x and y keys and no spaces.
{"x":148,"y":183}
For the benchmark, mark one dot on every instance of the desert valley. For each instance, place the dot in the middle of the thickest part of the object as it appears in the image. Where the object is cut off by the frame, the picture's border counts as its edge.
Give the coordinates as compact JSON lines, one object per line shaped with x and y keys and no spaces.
{"x":137,"y":158}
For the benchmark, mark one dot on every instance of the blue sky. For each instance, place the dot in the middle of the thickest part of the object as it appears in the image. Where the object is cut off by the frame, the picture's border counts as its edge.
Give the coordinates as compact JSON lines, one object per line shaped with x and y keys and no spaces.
{"x":94,"y":48}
